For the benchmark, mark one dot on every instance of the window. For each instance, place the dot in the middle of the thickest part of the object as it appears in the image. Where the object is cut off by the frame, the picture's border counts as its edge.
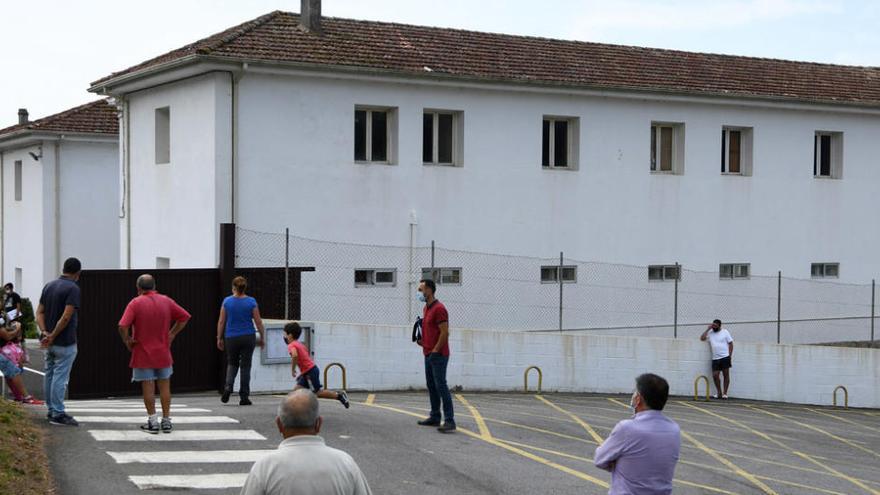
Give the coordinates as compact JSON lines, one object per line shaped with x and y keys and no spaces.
{"x":825,"y":270}
{"x":550,"y":274}
{"x":373,"y":135}
{"x":664,"y":272}
{"x":559,"y":136}
{"x":443,"y":276}
{"x":734,"y":270}
{"x":163,"y":135}
{"x":18,"y":178}
{"x":375,"y":277}
{"x":736,"y":150}
{"x":442,"y":137}
{"x":163,"y":263}
{"x":828,"y":154}
{"x":667,"y":148}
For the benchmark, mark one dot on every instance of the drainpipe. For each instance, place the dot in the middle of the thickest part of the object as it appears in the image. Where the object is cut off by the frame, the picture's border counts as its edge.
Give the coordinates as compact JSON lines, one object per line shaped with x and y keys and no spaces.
{"x":234,"y":78}
{"x":126,"y":178}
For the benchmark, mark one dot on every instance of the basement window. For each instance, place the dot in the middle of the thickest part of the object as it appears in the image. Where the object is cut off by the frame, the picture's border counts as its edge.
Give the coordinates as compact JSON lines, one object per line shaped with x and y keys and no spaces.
{"x":550,"y":274}
{"x":825,"y":270}
{"x":443,"y":276}
{"x":730,"y":271}
{"x":369,"y":277}
{"x":664,"y":272}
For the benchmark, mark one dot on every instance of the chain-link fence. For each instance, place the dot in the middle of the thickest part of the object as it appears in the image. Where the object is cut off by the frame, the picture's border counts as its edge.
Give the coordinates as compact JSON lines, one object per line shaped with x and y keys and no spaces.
{"x":371,"y":284}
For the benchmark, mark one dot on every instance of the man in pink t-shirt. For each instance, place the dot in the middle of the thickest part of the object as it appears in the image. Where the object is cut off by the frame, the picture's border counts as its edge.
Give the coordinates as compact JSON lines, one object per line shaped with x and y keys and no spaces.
{"x":309,"y":373}
{"x":148,"y":327}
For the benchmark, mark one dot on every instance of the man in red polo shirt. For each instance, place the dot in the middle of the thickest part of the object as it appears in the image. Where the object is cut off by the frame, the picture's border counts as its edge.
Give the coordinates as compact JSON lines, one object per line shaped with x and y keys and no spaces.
{"x":435,"y":347}
{"x":148,"y":327}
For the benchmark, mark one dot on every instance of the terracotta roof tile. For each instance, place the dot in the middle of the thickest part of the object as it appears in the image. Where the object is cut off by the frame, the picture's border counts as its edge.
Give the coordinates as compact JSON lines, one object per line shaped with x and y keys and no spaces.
{"x":441,"y":52}
{"x":97,"y":117}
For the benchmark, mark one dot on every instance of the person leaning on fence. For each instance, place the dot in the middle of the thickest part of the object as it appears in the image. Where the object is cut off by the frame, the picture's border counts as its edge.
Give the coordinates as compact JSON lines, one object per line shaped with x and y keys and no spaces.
{"x":58,"y":321}
{"x":239,"y":314}
{"x":721,"y":344}
{"x":641,"y":453}
{"x":303,"y":463}
{"x":148,"y":327}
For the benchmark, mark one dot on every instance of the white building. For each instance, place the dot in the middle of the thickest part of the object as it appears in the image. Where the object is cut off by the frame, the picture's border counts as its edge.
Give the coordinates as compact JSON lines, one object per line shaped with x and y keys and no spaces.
{"x":59,"y":194}
{"x":379,"y":133}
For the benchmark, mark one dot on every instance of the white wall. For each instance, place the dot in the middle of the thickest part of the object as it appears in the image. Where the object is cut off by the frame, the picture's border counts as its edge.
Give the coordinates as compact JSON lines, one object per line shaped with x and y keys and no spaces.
{"x":383,"y":358}
{"x":89,"y":221}
{"x":174,"y":206}
{"x":296,"y":170}
{"x":23,"y":243}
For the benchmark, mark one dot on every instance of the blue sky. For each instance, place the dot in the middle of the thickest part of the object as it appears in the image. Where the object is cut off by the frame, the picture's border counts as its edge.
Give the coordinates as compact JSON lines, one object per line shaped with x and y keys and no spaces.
{"x":51,"y":50}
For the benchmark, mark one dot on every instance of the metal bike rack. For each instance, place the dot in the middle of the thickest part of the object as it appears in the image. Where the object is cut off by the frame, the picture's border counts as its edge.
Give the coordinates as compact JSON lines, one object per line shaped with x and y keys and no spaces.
{"x":526,"y":378}
{"x":697,"y":387}
{"x":340,"y":366}
{"x":845,"y":396}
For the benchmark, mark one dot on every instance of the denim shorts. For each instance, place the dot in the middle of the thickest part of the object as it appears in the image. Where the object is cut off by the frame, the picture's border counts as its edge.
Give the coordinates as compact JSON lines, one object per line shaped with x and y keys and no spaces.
{"x":8,"y":368}
{"x":150,"y":374}
{"x":310,"y":379}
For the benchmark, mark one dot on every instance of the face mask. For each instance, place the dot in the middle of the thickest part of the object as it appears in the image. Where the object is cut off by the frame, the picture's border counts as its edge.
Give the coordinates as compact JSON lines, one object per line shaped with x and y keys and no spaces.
{"x":421,"y":297}
{"x":716,"y":329}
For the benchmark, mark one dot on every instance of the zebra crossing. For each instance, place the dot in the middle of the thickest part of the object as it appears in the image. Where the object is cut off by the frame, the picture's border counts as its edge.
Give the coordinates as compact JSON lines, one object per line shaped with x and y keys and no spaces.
{"x":204,"y":452}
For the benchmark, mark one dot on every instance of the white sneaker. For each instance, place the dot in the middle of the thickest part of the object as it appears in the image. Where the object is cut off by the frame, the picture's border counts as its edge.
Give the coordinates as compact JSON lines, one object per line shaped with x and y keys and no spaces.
{"x":714,"y":396}
{"x":724,"y":396}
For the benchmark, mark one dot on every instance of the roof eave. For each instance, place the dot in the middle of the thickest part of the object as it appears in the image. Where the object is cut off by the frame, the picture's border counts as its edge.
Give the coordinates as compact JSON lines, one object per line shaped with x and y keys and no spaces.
{"x":108,"y":86}
{"x":28,"y":137}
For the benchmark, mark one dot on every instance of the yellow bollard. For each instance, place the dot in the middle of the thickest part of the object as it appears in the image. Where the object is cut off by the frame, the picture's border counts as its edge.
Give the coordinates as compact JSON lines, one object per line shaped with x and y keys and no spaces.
{"x":526,"y":378}
{"x":845,"y":396}
{"x":697,"y":387}
{"x":340,"y":366}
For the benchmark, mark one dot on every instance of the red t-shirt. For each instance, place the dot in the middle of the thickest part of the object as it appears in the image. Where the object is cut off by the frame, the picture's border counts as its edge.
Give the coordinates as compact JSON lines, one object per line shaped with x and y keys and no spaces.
{"x":303,"y":357}
{"x":434,"y":315}
{"x":151,"y":316}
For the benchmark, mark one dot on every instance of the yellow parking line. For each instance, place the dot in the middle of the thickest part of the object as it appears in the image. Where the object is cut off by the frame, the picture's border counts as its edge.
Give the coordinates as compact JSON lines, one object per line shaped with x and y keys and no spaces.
{"x":574,"y":417}
{"x":786,"y":447}
{"x":370,"y":399}
{"x":845,"y":420}
{"x":481,"y":423}
{"x":738,"y":470}
{"x":765,"y":478}
{"x":816,"y":429}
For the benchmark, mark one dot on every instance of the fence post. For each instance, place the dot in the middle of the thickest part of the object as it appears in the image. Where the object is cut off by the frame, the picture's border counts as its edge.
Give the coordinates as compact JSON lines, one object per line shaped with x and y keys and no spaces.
{"x":873,"y":314}
{"x":227,"y":256}
{"x":559,"y":275}
{"x":675,"y":315}
{"x":286,"y":273}
{"x":432,"y":260}
{"x":779,"y":307}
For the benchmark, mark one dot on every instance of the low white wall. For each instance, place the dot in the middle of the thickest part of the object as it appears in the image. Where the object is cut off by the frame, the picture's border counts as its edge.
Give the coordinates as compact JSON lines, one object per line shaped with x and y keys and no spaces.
{"x":383,"y":358}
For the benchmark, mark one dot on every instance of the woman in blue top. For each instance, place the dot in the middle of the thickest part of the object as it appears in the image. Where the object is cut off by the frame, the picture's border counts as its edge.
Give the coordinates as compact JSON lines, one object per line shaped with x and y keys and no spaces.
{"x":235,"y":334}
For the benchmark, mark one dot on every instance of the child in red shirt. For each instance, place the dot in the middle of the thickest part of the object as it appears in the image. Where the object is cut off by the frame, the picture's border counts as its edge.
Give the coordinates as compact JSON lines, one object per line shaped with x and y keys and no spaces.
{"x":309,"y":373}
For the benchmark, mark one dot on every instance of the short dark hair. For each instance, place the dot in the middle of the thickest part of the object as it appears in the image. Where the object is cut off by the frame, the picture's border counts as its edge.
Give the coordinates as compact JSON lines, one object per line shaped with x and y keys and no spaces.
{"x":9,"y":286}
{"x":429,"y":284}
{"x":293,"y":329}
{"x":654,"y":390}
{"x":717,"y":321}
{"x":71,"y":266}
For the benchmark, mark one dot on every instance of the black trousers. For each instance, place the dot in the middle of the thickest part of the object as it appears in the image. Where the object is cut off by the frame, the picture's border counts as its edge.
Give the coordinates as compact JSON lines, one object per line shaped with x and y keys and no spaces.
{"x":239,"y":354}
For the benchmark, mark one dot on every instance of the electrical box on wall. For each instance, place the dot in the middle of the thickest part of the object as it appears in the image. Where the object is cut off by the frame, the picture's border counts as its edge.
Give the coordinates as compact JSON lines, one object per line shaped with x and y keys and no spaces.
{"x":274,"y":350}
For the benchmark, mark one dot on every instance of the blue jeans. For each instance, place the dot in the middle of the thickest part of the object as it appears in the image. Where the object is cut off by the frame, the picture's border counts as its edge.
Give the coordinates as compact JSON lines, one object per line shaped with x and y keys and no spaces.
{"x":438,"y":391}
{"x":59,"y":361}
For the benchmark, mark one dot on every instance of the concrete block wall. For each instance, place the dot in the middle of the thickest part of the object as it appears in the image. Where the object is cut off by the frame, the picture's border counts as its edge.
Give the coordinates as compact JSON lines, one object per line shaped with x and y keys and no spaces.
{"x":384,"y":358}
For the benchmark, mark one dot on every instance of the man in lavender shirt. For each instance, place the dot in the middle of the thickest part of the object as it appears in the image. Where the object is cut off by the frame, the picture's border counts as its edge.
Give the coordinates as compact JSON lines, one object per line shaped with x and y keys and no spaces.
{"x":641,"y":452}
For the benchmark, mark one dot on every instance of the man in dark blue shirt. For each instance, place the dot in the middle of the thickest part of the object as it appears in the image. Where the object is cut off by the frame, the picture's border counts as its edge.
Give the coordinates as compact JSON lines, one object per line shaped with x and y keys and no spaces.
{"x":57,"y":319}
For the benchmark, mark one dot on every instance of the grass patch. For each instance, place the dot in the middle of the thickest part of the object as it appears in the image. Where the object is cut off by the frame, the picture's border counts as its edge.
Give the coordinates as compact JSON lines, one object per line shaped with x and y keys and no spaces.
{"x":24,"y":468}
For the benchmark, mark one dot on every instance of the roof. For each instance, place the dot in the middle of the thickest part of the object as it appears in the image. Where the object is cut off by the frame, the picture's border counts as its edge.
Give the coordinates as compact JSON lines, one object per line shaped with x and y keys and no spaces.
{"x":97,"y":117}
{"x":453,"y":53}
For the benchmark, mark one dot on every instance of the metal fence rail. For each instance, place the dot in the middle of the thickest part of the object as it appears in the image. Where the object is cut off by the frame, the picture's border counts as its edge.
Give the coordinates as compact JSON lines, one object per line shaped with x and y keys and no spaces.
{"x":504,"y":292}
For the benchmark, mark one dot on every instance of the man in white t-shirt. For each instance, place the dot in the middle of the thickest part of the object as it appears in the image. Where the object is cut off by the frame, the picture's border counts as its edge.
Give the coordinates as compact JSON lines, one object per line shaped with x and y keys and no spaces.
{"x":721,"y":344}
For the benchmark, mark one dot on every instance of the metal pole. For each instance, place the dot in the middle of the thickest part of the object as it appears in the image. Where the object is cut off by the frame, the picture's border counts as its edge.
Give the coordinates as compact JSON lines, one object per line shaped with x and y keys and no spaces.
{"x":779,"y":307}
{"x":286,"y":273}
{"x":873,"y":291}
{"x":675,"y":316}
{"x":432,"y":259}
{"x":559,"y":275}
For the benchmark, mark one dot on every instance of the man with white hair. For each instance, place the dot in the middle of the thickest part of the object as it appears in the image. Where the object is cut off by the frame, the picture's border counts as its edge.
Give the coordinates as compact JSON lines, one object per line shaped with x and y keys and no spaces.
{"x":303,"y":463}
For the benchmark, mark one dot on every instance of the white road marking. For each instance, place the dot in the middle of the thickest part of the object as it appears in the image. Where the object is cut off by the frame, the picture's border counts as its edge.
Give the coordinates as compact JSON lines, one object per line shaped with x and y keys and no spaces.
{"x":174,"y":410}
{"x":195,"y":481}
{"x":190,"y":456}
{"x":180,"y":420}
{"x":177,"y":436}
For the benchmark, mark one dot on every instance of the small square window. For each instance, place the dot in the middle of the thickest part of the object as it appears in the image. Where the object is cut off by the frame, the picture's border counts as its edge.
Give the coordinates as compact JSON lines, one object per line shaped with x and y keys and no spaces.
{"x":828,"y":155}
{"x":443,"y":276}
{"x":375,"y":277}
{"x":442,"y":137}
{"x":664,"y":272}
{"x":729,"y":271}
{"x":559,"y":142}
{"x":825,"y":270}
{"x":667,"y":148}
{"x":163,"y":135}
{"x":374,"y":133}
{"x":550,"y":274}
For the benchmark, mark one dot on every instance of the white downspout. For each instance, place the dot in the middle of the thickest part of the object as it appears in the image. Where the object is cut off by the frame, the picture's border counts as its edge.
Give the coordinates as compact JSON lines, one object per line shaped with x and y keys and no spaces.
{"x":126,"y":178}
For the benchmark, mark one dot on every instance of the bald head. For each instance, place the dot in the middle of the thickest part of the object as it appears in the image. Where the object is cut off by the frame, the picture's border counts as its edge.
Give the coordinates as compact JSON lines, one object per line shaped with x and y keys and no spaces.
{"x":146,"y":282}
{"x":298,"y":413}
